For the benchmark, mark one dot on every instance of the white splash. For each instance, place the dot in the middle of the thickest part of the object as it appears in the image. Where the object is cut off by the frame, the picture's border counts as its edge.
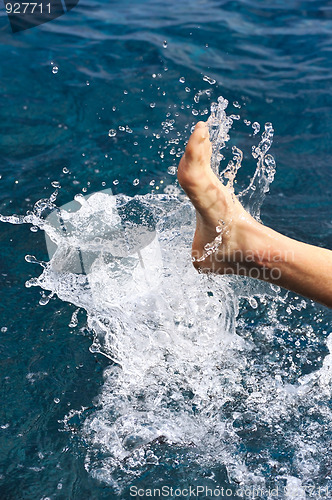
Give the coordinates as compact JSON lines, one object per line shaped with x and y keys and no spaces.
{"x":185,"y":382}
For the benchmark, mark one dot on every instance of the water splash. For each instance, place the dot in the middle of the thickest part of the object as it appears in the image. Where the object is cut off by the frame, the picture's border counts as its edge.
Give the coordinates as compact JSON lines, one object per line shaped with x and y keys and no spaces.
{"x":187,"y":382}
{"x":219,"y":124}
{"x":252,"y":197}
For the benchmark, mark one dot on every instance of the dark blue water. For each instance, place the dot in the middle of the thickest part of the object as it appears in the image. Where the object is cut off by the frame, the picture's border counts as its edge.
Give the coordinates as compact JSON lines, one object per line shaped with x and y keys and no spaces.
{"x":114,"y":70}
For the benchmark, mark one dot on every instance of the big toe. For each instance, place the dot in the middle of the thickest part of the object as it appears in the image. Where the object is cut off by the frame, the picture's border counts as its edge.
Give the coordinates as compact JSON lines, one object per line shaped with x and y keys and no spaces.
{"x":198,"y":150}
{"x":195,"y":162}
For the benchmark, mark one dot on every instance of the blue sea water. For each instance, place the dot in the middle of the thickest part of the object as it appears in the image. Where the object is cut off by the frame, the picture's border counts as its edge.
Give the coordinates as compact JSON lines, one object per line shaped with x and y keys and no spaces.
{"x":125,"y":66}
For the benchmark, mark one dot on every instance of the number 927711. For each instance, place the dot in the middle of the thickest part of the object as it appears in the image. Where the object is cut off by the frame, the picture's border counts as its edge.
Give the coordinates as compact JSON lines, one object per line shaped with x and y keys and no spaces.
{"x":27,"y":8}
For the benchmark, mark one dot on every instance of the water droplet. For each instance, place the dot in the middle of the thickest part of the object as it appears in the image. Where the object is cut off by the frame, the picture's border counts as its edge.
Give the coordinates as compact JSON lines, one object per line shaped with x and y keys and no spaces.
{"x":65,"y":170}
{"x":31,"y":282}
{"x":56,"y":400}
{"x":45,"y":299}
{"x":112,"y":132}
{"x":33,"y":229}
{"x":187,"y":89}
{"x":116,"y":182}
{"x":4,"y":329}
{"x":236,"y":104}
{"x":182,"y":79}
{"x":87,"y":82}
{"x":171,"y":170}
{"x":74,"y":321}
{"x":55,"y":184}
{"x":165,"y":44}
{"x":152,"y":104}
{"x":256,"y":126}
{"x":55,"y":69}
{"x":253,"y":302}
{"x":211,"y":81}
{"x":128,"y":130}
{"x":247,"y":122}
{"x":31,"y":259}
{"x":136,"y":182}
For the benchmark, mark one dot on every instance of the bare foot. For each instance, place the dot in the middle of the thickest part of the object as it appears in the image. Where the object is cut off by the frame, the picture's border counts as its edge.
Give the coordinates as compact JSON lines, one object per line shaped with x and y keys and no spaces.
{"x":216,"y":207}
{"x":246,"y":247}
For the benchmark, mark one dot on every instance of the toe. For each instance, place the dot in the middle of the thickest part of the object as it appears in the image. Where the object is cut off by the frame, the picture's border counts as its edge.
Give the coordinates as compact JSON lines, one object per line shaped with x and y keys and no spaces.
{"x":195,"y":163}
{"x":199,"y":144}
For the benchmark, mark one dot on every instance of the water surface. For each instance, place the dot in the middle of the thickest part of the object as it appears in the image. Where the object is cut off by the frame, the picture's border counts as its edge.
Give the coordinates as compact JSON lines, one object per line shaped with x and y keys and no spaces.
{"x":229,"y":412}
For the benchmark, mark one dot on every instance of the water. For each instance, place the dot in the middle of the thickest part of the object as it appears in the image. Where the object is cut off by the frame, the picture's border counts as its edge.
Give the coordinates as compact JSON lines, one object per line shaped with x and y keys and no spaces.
{"x":212,"y":382}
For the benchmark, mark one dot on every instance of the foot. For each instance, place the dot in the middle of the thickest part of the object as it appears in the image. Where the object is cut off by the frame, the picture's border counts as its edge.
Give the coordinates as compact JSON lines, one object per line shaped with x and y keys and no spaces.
{"x":218,"y":213}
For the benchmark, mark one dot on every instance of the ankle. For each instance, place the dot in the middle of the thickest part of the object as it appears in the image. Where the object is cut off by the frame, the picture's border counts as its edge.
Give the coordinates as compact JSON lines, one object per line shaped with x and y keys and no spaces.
{"x":264,"y":250}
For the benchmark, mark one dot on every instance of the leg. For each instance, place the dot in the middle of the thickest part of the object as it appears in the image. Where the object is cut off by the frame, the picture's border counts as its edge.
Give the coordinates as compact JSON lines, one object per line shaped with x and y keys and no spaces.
{"x":248,"y":248}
